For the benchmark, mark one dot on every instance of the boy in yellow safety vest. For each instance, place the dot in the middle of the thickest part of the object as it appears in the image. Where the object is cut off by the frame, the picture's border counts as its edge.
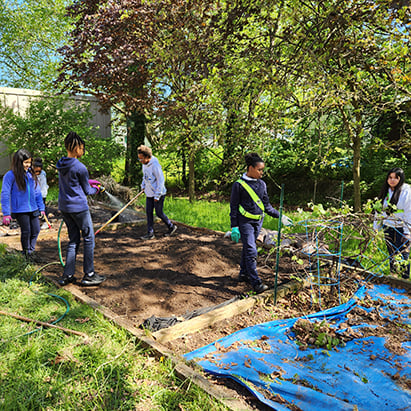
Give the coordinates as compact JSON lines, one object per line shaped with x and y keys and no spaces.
{"x":249,"y":201}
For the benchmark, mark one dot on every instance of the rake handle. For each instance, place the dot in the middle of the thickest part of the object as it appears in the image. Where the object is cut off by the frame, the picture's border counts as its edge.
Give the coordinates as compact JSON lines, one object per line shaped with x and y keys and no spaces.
{"x":119,"y":212}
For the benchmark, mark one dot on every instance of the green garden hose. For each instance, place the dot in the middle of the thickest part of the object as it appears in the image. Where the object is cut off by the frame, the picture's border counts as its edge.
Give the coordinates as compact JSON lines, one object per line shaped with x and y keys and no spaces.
{"x":51,"y":294}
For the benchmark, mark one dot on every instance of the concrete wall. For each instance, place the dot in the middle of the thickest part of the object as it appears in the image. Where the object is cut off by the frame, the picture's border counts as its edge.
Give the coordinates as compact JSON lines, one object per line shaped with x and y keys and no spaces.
{"x":19,"y":99}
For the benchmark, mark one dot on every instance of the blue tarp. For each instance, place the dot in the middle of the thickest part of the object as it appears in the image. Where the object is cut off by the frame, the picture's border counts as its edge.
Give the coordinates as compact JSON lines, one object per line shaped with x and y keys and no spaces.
{"x":363,"y":375}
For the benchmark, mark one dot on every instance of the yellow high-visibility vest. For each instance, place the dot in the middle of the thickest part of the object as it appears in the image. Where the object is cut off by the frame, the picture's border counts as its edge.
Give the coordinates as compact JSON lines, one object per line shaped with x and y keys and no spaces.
{"x":255,"y":198}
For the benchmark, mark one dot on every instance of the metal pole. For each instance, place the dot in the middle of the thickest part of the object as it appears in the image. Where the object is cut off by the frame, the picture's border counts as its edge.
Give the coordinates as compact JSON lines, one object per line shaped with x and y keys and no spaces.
{"x":278,"y":242}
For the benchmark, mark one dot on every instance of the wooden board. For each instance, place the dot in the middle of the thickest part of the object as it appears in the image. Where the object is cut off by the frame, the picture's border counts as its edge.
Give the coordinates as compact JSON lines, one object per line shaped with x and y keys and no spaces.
{"x":222,"y":313}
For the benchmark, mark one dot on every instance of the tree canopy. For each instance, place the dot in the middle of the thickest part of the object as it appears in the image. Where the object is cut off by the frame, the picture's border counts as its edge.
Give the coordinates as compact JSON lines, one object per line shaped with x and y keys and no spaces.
{"x":307,"y":84}
{"x":30,"y":33}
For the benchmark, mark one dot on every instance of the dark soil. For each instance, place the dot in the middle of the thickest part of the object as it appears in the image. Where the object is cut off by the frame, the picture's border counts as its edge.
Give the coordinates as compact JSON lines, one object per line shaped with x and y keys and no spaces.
{"x":164,"y":277}
{"x":173,"y":276}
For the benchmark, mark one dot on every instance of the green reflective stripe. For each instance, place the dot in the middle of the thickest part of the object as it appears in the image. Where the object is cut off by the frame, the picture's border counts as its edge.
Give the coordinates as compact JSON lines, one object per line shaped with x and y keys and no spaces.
{"x":255,"y":198}
{"x":249,"y":215}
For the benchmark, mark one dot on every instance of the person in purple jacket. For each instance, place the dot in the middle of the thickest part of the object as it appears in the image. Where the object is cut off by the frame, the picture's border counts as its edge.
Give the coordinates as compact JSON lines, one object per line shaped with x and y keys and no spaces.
{"x":249,"y":200}
{"x":21,"y":198}
{"x":74,"y":187}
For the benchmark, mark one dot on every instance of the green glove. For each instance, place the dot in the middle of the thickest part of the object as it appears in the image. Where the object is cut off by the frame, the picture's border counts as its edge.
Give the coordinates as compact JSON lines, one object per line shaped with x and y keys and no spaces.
{"x":235,"y":234}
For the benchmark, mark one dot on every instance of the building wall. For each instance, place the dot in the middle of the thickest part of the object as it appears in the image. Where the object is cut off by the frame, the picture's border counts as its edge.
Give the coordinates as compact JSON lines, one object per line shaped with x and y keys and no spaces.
{"x":19,"y":99}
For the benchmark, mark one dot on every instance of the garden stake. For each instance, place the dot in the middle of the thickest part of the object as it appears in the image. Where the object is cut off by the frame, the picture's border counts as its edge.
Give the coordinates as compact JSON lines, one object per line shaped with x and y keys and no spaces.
{"x":119,"y":212}
{"x":277,"y":259}
{"x":30,"y":320}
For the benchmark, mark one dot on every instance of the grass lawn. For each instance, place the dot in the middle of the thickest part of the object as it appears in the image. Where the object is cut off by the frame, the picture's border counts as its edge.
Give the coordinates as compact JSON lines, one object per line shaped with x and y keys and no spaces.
{"x":47,"y":369}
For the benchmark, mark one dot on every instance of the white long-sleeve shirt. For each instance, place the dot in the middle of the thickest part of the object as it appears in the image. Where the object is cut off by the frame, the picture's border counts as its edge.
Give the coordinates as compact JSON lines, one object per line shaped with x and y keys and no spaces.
{"x":402,"y":217}
{"x":44,"y":187}
{"x":153,"y":179}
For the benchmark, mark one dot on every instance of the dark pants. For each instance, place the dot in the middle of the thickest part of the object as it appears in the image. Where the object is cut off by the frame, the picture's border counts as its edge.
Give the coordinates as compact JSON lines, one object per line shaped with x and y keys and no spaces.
{"x":79,"y":225}
{"x":152,"y":205}
{"x":249,"y":230}
{"x":30,"y":229}
{"x":397,"y":243}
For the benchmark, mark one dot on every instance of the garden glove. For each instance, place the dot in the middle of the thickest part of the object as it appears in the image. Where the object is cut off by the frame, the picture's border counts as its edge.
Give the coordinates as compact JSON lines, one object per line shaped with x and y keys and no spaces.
{"x":97,"y":185}
{"x":286,"y":221}
{"x":6,"y":220}
{"x":43,"y":213}
{"x":235,"y":234}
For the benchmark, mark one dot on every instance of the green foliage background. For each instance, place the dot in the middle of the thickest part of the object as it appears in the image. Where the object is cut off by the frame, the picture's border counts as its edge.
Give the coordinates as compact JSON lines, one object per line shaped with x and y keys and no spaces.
{"x":44,"y":126}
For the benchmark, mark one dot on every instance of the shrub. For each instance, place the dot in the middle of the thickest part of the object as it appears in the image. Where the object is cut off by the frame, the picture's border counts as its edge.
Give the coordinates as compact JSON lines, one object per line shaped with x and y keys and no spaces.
{"x":43,"y":127}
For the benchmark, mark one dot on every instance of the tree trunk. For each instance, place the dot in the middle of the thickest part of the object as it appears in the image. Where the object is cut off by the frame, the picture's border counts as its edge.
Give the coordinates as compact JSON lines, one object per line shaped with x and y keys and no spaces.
{"x":355,"y":136}
{"x":191,"y":175}
{"x":358,"y":131}
{"x":232,"y":154}
{"x":184,"y":168}
{"x":356,"y":139}
{"x":136,"y":131}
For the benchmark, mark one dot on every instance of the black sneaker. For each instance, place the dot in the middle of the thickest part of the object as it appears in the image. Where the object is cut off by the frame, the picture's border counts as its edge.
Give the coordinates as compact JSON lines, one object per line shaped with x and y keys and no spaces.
{"x":93,"y":279}
{"x":171,"y":231}
{"x":260,"y":288}
{"x":149,"y":236}
{"x":66,"y":280}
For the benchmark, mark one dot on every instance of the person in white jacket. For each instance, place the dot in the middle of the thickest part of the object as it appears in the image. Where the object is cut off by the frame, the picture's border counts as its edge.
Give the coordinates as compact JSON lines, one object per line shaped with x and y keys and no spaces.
{"x":42,"y":179}
{"x":395,"y":196}
{"x":155,"y":190}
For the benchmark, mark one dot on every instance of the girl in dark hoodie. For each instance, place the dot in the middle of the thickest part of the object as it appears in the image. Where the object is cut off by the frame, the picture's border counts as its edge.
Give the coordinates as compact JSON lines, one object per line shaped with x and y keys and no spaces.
{"x":74,"y":186}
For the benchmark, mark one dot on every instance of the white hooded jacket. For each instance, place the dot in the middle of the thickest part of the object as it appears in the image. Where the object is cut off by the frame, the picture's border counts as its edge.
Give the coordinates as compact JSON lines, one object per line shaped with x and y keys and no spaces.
{"x":402,"y":217}
{"x":153,"y":179}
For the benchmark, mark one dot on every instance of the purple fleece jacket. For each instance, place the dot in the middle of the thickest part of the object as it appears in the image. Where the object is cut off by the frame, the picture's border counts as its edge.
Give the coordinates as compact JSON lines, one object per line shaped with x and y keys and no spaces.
{"x":73,"y":185}
{"x":14,"y":200}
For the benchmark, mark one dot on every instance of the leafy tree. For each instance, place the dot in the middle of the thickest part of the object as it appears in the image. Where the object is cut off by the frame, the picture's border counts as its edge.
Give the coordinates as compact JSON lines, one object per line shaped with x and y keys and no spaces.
{"x":135,"y":55}
{"x":42,"y":130}
{"x":240,"y":74}
{"x":106,"y":55}
{"x":30,"y":33}
{"x":350,"y":56}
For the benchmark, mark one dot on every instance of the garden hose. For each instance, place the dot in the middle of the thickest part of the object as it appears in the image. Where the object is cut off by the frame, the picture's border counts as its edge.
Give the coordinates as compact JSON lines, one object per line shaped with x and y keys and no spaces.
{"x":51,"y":294}
{"x":59,"y":244}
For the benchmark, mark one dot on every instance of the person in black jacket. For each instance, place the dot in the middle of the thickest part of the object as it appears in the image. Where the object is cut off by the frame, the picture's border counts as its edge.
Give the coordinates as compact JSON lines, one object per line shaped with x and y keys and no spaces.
{"x":249,"y":201}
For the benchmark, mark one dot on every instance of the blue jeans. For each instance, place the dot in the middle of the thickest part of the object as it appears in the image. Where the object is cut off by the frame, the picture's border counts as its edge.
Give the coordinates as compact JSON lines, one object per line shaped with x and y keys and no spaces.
{"x":397,"y":243}
{"x":29,"y":229}
{"x":79,"y":224}
{"x":249,"y":230}
{"x":152,"y":205}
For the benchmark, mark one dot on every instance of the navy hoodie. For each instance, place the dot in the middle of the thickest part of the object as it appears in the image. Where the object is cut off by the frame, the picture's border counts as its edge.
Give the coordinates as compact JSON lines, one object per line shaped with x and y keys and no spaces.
{"x":73,"y":185}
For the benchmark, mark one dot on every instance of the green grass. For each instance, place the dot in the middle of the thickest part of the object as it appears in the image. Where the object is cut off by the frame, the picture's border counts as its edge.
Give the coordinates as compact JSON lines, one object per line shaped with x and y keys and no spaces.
{"x":201,"y":213}
{"x":47,"y":369}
